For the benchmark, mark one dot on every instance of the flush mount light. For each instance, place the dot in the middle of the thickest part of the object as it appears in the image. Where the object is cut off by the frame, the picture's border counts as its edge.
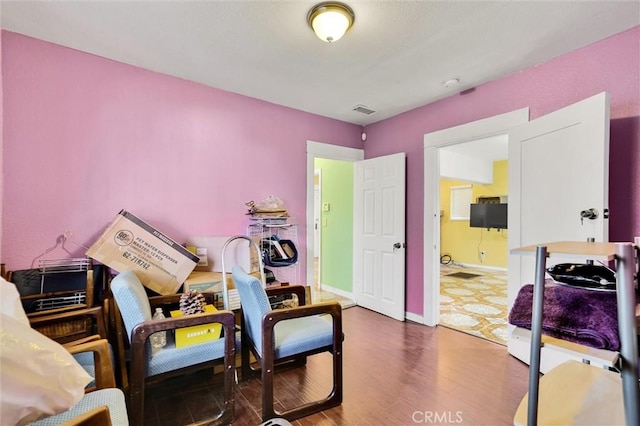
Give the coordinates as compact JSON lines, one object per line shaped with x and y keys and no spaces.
{"x":330,"y":20}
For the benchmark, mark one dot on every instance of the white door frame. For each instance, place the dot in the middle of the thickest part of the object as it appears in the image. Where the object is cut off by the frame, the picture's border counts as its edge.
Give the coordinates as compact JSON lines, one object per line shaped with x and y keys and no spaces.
{"x":317,"y":225}
{"x":331,"y":152}
{"x":479,"y":129}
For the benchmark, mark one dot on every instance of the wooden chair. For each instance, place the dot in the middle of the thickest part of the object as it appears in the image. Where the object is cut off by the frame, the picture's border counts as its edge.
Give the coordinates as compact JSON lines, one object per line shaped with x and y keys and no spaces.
{"x":45,"y":323}
{"x":97,"y":417}
{"x":104,"y":405}
{"x":145,"y":366}
{"x":71,"y":325}
{"x":69,"y":289}
{"x":283,"y":335}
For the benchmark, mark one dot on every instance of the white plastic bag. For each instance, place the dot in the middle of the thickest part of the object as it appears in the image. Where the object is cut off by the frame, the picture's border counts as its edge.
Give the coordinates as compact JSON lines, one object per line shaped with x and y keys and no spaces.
{"x":10,"y":303}
{"x":271,"y":202}
{"x":38,"y":377}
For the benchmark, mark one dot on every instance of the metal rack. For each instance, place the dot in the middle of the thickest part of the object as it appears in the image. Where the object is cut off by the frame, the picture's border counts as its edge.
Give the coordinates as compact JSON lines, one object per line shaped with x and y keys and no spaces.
{"x":266,"y":228}
{"x":56,"y":283}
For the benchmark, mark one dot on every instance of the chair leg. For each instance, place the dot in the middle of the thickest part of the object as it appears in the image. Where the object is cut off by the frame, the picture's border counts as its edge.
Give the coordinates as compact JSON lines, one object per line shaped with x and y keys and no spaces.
{"x":137,"y":378}
{"x":136,"y":403}
{"x":301,"y":361}
{"x":268,"y":412}
{"x":245,"y":356}
{"x":230,"y":379}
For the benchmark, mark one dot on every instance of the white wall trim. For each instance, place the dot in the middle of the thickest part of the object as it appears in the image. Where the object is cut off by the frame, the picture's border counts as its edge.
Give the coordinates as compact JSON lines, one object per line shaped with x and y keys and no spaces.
{"x":481,"y":267}
{"x":339,"y":292}
{"x":479,"y":129}
{"x":317,"y":209}
{"x":414,"y":317}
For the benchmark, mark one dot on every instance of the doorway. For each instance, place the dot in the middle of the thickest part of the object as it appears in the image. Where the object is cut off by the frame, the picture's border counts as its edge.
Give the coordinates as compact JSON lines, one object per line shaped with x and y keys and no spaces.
{"x":480,"y":129}
{"x":320,"y":153}
{"x":333,"y":263}
{"x":317,"y":228}
{"x":473,"y":260}
{"x":378,"y":270}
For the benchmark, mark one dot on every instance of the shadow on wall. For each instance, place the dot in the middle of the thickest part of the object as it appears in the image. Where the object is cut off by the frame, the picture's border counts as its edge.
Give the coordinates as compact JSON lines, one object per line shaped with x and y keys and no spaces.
{"x":624,"y":179}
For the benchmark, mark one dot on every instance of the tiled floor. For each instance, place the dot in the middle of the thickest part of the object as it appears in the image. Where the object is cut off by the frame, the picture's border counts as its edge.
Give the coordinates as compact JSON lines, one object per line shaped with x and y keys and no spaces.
{"x":476,"y":305}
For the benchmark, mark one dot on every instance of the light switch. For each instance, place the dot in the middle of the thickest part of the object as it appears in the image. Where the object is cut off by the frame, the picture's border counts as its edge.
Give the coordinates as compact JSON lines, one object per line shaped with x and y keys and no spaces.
{"x":325,"y":207}
{"x":324,"y":221}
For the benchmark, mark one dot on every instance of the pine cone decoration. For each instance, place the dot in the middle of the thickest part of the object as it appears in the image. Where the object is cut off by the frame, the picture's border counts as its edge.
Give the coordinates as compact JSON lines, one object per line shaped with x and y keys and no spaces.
{"x":192,"y":302}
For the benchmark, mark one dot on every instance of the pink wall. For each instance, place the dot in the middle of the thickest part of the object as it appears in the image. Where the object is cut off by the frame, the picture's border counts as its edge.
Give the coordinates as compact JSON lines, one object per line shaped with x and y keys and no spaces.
{"x":611,"y":65}
{"x":86,"y":137}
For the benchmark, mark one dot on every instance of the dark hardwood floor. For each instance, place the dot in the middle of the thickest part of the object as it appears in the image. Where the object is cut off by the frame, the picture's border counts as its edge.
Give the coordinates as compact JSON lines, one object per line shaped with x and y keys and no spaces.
{"x":395,"y":373}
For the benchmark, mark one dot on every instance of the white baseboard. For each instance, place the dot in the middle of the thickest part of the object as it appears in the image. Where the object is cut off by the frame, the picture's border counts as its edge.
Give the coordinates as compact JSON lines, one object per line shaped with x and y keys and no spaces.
{"x":414,"y":317}
{"x":489,"y":268}
{"x":337,"y":291}
{"x":408,"y":315}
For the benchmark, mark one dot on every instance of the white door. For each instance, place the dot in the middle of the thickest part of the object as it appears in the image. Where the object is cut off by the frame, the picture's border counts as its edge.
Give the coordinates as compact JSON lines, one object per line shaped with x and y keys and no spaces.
{"x":558,"y":167}
{"x":379,"y":235}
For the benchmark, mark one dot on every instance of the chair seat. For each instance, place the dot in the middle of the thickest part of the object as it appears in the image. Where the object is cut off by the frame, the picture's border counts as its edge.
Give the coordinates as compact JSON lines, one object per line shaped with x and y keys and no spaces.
{"x":299,"y":335}
{"x":170,"y":358}
{"x":112,"y":398}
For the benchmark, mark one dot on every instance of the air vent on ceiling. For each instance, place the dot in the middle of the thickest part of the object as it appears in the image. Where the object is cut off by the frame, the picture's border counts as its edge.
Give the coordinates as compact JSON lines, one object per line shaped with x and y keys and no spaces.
{"x":363,"y":109}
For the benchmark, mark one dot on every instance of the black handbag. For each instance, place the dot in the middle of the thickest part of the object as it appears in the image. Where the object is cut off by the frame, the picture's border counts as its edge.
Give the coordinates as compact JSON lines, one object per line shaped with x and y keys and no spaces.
{"x":277,"y":252}
{"x":589,"y":277}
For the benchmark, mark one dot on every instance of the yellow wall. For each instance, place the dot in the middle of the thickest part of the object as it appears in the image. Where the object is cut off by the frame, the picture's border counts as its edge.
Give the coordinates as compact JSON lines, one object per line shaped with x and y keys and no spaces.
{"x":464,"y":243}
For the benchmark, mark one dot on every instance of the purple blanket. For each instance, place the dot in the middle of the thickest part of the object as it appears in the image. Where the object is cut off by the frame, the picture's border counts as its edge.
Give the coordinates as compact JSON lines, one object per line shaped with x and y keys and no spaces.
{"x":582,"y":316}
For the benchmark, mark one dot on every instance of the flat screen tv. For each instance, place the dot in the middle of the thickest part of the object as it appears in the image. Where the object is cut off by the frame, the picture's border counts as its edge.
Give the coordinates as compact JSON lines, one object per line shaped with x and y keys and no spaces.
{"x":488,"y":216}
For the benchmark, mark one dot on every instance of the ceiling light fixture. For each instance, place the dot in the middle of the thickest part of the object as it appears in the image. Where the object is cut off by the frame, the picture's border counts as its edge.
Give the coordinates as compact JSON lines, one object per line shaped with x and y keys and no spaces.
{"x":330,"y":20}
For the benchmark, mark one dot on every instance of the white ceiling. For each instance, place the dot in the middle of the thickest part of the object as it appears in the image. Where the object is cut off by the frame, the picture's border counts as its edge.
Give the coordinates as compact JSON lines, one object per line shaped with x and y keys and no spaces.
{"x":394,"y":59}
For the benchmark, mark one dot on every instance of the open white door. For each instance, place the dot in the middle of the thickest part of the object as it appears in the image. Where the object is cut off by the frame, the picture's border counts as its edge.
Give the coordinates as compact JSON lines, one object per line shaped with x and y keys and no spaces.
{"x":379,"y":235}
{"x":558,"y":168}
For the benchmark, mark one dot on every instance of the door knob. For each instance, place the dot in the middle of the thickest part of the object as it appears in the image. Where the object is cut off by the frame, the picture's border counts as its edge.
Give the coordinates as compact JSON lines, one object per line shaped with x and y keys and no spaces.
{"x":397,"y":246}
{"x":591,"y":214}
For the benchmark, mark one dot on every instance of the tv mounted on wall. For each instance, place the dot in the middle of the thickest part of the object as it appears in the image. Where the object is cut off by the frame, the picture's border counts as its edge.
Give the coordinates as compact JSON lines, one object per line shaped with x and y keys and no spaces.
{"x":488,"y":216}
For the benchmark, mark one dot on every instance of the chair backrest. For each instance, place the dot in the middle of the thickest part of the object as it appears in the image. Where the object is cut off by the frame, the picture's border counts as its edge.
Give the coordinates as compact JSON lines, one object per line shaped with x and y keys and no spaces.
{"x":57,"y":286}
{"x":255,"y":303}
{"x":132,"y":300}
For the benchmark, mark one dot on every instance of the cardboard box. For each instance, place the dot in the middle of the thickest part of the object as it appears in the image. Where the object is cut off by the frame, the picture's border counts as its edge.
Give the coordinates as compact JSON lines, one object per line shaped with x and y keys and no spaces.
{"x":209,"y":250}
{"x":198,"y":333}
{"x":130,"y":244}
{"x":211,"y":282}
